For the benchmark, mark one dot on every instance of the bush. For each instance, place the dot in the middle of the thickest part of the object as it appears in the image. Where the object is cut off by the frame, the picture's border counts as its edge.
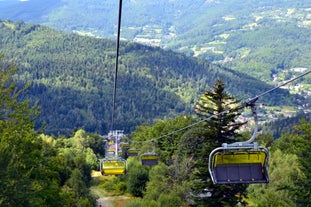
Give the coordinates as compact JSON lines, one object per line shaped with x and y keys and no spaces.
{"x":169,"y":200}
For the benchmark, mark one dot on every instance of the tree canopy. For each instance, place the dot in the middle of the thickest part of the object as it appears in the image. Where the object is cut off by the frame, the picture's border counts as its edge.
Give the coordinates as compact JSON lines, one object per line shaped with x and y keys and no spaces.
{"x":71,"y":77}
{"x":33,"y":171}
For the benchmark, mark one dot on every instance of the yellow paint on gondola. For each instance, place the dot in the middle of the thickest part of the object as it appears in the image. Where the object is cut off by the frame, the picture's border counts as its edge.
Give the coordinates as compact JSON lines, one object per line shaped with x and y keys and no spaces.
{"x":253,"y":157}
{"x":132,"y":152}
{"x":149,"y":157}
{"x":113,"y":167}
{"x":124,"y":144}
{"x":239,"y":166}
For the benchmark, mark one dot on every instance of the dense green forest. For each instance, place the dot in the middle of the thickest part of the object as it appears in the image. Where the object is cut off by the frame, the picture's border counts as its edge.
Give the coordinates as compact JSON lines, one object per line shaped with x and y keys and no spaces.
{"x":281,"y":126}
{"x":35,"y":169}
{"x":71,"y":77}
{"x":42,"y":170}
{"x":258,"y":38}
{"x":183,"y":175}
{"x":56,"y":98}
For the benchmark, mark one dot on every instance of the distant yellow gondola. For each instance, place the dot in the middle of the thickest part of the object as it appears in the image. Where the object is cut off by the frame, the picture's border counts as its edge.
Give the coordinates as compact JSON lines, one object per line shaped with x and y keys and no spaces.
{"x":149,"y":159}
{"x":110,"y":153}
{"x":132,"y":152}
{"x":125,"y":144}
{"x":114,"y":167}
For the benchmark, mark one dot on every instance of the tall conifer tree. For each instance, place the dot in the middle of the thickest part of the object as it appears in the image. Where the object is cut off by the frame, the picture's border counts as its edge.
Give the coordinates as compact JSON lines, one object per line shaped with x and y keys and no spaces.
{"x":218,"y":129}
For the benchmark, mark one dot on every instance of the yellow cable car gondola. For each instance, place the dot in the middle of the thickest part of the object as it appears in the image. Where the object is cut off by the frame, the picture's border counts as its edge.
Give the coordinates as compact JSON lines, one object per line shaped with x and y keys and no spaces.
{"x":132,"y":152}
{"x":110,"y":153}
{"x":149,"y":158}
{"x":125,"y":145}
{"x":114,"y":166}
{"x":240,"y":165}
{"x":240,"y":162}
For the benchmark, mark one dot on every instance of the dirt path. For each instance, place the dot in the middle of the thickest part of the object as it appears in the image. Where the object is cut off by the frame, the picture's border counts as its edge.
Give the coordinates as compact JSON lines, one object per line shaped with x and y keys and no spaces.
{"x":104,"y":202}
{"x":115,"y":201}
{"x":106,"y":199}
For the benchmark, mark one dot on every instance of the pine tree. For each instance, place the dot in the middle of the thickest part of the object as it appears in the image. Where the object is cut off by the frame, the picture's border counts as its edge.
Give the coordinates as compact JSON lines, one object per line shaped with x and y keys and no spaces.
{"x":216,"y":102}
{"x":218,"y":129}
{"x":303,"y":148}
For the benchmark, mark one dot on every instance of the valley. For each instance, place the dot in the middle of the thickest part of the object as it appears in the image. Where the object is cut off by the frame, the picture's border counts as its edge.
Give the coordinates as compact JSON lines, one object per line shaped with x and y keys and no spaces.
{"x":184,"y":67}
{"x":257,"y":38}
{"x":154,"y":83}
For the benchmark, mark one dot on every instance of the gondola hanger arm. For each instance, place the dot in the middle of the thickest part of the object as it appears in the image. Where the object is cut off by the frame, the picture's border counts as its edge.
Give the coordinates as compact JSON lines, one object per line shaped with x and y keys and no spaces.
{"x":250,"y":142}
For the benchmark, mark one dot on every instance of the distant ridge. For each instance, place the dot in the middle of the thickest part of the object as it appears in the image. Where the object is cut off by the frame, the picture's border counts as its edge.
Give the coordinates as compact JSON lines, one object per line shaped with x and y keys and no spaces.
{"x":260,"y":38}
{"x":72,"y":77}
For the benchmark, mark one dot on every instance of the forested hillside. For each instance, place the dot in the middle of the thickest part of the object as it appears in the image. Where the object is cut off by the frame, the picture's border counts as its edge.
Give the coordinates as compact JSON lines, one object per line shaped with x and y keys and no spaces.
{"x":260,"y":38}
{"x":182,"y":177}
{"x":283,"y":125}
{"x":57,"y":103}
{"x":72,"y":78}
{"x":40,"y":170}
{"x":37,"y":170}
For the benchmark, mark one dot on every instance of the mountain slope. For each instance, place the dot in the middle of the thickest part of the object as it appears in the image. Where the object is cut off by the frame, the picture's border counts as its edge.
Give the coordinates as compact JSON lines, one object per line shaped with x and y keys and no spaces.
{"x":260,"y":38}
{"x":31,"y":10}
{"x":72,"y":77}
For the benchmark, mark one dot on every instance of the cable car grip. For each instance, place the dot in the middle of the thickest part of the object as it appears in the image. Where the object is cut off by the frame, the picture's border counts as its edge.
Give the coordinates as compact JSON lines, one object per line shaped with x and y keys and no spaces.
{"x":249,"y":143}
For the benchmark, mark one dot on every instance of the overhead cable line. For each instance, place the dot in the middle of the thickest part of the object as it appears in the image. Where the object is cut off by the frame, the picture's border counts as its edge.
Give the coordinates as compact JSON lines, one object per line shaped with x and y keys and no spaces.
{"x":283,"y":84}
{"x":248,"y":102}
{"x":116,"y":66}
